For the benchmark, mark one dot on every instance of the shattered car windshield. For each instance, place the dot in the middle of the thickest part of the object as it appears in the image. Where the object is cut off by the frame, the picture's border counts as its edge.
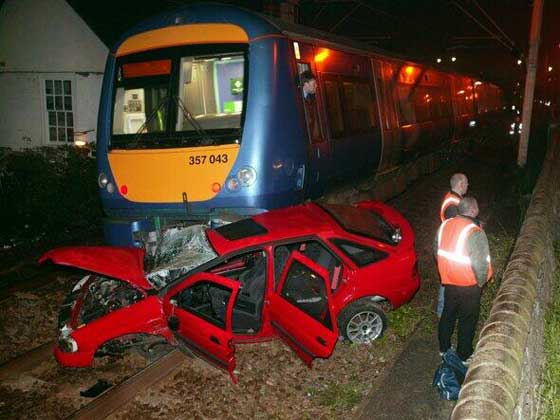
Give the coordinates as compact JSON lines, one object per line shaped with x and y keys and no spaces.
{"x":179,"y":251}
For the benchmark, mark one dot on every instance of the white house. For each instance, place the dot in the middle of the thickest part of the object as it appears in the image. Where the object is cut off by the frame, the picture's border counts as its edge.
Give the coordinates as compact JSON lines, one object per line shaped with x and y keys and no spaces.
{"x":51,"y":69}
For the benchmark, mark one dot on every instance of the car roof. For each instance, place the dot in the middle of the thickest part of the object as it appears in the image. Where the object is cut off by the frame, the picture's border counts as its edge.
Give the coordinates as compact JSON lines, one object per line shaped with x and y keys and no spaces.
{"x":290,"y":222}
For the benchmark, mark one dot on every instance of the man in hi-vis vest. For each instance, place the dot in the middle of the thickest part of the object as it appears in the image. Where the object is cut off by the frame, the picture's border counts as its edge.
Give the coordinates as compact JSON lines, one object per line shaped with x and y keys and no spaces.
{"x":459,"y":184}
{"x":463,"y":259}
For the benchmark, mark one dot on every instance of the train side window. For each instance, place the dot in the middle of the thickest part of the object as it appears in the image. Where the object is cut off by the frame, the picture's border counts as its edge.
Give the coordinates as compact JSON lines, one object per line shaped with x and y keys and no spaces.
{"x":442,"y":98}
{"x":360,"y":106}
{"x":435,"y":109}
{"x":405,"y":107}
{"x":421,"y":101}
{"x":334,"y":108}
{"x":464,"y":98}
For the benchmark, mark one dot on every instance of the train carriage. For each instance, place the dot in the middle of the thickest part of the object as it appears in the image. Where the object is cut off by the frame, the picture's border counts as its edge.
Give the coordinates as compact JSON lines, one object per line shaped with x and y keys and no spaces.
{"x":202,"y":117}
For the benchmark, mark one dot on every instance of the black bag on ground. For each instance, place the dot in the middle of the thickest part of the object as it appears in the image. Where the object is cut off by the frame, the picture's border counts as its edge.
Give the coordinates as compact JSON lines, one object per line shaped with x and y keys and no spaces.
{"x":449,"y":376}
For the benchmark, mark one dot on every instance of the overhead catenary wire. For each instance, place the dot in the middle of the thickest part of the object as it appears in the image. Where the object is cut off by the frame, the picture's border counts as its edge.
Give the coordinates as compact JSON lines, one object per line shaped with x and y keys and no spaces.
{"x":508,"y":45}
{"x":492,"y":21}
{"x":356,"y":6}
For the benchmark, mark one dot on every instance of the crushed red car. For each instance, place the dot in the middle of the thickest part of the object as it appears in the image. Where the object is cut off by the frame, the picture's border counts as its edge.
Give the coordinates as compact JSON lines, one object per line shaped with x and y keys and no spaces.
{"x":307,"y":274}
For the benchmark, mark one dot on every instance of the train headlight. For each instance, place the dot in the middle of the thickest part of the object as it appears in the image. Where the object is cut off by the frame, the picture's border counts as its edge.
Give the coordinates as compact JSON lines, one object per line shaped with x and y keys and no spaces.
{"x":233,"y":184}
{"x":110,"y":188}
{"x":102,"y":180}
{"x":246,"y":176}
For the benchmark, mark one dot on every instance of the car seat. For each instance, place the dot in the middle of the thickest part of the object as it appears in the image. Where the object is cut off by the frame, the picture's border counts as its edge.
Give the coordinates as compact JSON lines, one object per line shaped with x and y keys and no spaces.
{"x":321,"y":256}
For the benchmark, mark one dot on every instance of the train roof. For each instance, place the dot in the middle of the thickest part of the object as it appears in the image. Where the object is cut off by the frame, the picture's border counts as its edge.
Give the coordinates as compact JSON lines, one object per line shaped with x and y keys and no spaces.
{"x":257,"y":25}
{"x":294,"y":30}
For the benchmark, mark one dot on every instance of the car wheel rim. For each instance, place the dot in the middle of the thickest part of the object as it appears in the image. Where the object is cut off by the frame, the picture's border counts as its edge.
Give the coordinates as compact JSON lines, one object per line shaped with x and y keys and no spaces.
{"x":364,"y":327}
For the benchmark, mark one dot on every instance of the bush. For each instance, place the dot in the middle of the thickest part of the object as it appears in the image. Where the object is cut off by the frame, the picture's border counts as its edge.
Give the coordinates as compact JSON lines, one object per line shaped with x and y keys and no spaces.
{"x":48,"y":195}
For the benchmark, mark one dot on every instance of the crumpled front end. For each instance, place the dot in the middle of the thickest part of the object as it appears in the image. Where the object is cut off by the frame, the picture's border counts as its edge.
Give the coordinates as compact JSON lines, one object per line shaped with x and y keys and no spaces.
{"x":101,"y":309}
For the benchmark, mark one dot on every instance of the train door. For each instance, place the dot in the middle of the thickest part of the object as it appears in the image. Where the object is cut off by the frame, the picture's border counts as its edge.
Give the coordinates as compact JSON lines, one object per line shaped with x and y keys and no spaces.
{"x":389,"y":125}
{"x":318,"y":154}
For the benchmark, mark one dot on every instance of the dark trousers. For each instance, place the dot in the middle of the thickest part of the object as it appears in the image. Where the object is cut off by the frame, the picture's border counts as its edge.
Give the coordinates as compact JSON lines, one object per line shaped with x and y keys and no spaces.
{"x":462,"y":303}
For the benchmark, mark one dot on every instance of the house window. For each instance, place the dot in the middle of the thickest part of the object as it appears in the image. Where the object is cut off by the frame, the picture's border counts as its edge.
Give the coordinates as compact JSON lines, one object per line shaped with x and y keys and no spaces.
{"x":58,"y":94}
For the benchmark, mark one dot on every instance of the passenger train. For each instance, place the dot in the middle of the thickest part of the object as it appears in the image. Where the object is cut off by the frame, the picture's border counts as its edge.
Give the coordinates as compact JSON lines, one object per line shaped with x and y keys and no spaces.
{"x":202,"y":117}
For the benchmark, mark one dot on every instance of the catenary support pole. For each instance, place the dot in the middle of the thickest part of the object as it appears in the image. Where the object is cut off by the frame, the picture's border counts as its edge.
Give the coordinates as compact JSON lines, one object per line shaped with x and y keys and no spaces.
{"x":534,"y":40}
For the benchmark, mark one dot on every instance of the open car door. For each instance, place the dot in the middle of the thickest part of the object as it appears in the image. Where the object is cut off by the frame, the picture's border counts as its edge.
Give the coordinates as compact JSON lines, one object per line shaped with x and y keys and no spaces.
{"x":198,"y":312}
{"x":301,"y":309}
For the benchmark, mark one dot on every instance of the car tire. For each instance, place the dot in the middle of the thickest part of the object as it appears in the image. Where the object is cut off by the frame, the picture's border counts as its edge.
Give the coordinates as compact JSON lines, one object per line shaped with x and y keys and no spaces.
{"x":362,"y":322}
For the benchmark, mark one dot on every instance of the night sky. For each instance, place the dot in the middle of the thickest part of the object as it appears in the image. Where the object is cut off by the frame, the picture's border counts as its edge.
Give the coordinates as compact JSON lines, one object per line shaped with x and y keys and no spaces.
{"x":420,"y":29}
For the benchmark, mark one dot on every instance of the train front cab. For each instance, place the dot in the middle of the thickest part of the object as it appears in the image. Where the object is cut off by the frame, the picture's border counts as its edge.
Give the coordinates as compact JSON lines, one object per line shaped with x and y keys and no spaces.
{"x":197,"y":121}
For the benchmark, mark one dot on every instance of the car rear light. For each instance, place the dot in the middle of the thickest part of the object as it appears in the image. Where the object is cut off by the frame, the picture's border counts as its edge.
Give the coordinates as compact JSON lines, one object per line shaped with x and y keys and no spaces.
{"x":67,"y":344}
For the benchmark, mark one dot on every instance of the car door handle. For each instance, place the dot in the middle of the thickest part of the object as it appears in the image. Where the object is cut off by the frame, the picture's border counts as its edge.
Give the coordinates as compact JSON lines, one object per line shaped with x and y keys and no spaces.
{"x":214,"y":339}
{"x":321,"y":341}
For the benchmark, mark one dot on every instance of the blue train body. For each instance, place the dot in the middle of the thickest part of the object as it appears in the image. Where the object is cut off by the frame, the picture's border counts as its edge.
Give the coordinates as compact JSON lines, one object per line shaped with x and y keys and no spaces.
{"x":274,"y":132}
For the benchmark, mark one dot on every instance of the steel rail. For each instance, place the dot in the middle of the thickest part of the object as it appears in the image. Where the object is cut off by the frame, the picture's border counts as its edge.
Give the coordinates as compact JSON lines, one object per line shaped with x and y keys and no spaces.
{"x":117,"y":396}
{"x":26,"y":361}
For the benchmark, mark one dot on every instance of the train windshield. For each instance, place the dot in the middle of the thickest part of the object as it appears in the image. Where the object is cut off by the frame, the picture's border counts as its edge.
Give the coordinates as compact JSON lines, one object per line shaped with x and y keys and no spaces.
{"x":178,"y":99}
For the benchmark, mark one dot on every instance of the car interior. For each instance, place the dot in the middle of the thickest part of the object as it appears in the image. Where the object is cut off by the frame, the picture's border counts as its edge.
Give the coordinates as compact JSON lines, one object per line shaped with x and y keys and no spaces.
{"x":209,"y":300}
{"x":250,"y":270}
{"x":318,"y":253}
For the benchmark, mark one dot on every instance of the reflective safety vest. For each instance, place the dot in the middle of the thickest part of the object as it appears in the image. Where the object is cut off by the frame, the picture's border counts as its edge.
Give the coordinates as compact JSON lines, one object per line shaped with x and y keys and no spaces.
{"x":450,"y":199}
{"x":454,"y":263}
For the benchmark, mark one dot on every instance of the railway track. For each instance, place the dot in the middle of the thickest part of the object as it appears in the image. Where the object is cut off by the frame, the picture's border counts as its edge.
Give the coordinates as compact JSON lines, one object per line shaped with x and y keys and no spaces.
{"x":111,"y":399}
{"x":118,"y":395}
{"x":36,"y":278}
{"x":26,"y":361}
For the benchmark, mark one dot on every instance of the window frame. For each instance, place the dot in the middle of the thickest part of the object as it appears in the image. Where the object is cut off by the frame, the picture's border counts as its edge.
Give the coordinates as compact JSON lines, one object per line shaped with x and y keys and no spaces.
{"x":340,"y":242}
{"x":43,"y":85}
{"x":339,"y":81}
{"x":308,"y":264}
{"x":200,"y":315}
{"x":297,"y":242}
{"x":170,"y":137}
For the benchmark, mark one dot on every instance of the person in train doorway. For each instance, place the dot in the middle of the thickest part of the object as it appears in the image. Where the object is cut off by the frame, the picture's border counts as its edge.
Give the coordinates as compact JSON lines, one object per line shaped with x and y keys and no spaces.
{"x":464,"y":265}
{"x":309,"y":85}
{"x":459,"y":184}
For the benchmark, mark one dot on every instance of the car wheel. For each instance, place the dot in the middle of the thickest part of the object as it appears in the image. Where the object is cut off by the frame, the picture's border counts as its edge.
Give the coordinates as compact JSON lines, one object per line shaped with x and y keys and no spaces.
{"x":362,"y":322}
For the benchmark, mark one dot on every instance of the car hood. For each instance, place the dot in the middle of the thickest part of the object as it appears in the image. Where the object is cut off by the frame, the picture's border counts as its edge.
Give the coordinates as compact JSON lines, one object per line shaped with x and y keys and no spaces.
{"x":121,"y":263}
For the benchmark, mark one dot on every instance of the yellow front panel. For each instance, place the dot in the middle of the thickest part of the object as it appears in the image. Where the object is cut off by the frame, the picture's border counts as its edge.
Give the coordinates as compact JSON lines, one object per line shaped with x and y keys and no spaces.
{"x":202,"y":33}
{"x":161,"y":176}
